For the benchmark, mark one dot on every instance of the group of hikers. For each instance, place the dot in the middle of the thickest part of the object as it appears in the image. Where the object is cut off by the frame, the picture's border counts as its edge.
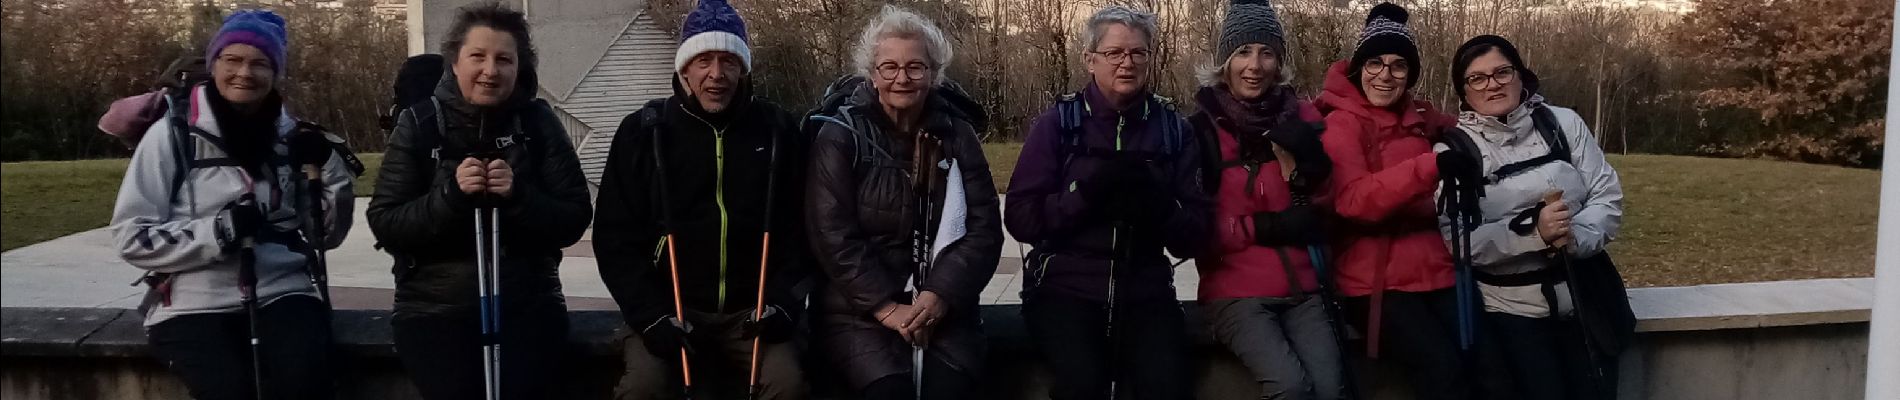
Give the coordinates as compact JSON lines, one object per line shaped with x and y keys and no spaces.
{"x":738,"y":236}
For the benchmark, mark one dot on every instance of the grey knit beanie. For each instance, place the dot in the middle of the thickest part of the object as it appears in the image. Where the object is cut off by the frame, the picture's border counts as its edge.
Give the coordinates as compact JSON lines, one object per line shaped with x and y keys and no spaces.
{"x":1248,"y":22}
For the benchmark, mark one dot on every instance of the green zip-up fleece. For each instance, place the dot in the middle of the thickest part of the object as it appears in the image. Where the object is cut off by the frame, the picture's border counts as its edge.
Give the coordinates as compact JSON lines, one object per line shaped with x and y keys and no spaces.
{"x":713,"y":201}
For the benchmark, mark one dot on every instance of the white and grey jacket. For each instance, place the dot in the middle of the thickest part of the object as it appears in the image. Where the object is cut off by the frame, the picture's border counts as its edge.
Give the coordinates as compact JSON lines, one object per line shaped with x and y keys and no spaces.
{"x":188,"y":237}
{"x":1589,"y":185}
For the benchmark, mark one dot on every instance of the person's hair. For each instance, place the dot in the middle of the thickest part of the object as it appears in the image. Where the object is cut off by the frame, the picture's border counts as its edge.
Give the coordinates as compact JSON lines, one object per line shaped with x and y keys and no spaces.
{"x":897,"y":23}
{"x":492,"y":15}
{"x":1097,"y":26}
{"x":1463,"y":59}
{"x":1214,"y":71}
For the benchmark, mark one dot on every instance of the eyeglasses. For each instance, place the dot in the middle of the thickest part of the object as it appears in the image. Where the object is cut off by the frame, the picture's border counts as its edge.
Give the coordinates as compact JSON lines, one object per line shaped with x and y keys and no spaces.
{"x":1115,"y":56}
{"x":1396,"y":70}
{"x":1503,"y":76}
{"x":914,"y":71}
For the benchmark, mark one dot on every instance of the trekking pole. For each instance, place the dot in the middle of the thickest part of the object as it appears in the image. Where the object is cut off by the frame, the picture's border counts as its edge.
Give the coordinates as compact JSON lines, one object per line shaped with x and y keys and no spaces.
{"x":319,"y":235}
{"x":1317,"y":254}
{"x":482,"y":286}
{"x":765,"y":251}
{"x":673,"y":267}
{"x":494,"y":292}
{"x":247,"y":290}
{"x":1115,"y":250}
{"x":1597,"y":374}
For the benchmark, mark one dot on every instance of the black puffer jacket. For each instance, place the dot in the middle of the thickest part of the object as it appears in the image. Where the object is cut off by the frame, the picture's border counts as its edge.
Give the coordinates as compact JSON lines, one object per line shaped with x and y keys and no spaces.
{"x":861,"y":211}
{"x":420,"y":216}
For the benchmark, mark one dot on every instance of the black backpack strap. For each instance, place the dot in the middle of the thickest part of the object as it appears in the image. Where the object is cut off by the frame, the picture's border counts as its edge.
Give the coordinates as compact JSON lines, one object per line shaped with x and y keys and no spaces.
{"x":1546,"y":123}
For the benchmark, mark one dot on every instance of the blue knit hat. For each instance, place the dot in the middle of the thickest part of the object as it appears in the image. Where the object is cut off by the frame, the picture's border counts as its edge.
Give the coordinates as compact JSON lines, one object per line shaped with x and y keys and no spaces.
{"x":259,"y":28}
{"x":712,"y":26}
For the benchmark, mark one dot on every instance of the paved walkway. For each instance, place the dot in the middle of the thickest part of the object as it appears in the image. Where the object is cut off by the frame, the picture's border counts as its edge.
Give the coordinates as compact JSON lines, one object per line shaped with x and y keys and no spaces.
{"x":84,"y":270}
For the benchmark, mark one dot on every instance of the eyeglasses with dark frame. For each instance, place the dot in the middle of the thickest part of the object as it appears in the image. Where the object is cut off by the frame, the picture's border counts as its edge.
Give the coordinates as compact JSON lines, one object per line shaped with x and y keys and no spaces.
{"x":1502,"y":76}
{"x":914,"y":70}
{"x":1397,"y":70}
{"x":1115,"y":56}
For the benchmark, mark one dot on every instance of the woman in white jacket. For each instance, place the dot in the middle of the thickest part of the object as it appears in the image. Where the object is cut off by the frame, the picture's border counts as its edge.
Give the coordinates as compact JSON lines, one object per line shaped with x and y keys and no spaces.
{"x":223,"y":171}
{"x":1544,"y":203}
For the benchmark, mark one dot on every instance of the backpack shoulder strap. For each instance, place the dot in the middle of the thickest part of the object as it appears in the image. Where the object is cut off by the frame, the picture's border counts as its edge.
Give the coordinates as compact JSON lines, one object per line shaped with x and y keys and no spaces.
{"x":1546,"y":123}
{"x":1171,"y":127}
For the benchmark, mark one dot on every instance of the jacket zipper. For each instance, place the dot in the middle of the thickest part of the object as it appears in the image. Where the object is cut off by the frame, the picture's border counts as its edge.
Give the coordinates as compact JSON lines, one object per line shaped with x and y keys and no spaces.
{"x":719,"y":199}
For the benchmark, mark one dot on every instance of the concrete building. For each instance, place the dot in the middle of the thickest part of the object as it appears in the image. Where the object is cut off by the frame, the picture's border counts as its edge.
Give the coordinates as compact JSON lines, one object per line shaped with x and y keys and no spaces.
{"x":600,"y":61}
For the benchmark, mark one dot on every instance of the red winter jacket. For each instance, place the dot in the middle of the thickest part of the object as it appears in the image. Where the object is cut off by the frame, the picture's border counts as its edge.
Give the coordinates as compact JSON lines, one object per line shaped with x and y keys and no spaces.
{"x":1384,"y":175}
{"x":1238,"y":267}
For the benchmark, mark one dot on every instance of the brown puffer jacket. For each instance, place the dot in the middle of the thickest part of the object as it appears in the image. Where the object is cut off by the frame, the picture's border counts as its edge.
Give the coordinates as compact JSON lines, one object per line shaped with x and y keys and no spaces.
{"x":861,"y":209}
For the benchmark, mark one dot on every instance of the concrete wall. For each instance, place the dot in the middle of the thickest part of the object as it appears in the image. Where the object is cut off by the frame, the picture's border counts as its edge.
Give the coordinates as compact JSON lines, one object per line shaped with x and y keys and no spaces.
{"x":80,"y":353}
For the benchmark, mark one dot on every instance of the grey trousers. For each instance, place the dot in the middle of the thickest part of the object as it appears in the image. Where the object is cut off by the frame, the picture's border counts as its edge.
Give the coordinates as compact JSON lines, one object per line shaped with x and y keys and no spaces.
{"x":1289,"y":348}
{"x":720,"y":347}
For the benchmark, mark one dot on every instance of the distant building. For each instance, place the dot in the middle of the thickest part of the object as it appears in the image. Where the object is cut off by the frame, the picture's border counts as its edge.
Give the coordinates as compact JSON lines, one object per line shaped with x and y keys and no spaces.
{"x":600,"y":61}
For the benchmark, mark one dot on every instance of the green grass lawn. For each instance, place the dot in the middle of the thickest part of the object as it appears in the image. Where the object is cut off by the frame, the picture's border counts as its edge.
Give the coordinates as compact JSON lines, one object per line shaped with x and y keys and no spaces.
{"x":1687,"y":220}
{"x":46,"y":200}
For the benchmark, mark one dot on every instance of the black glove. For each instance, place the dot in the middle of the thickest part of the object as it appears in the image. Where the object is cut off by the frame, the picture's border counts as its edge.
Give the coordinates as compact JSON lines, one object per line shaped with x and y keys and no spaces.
{"x":310,"y":146}
{"x":1296,"y":225}
{"x":774,"y":326}
{"x":1134,"y":194}
{"x":246,"y":218}
{"x":1301,"y":139}
{"x":665,"y":337}
{"x":1110,"y":181}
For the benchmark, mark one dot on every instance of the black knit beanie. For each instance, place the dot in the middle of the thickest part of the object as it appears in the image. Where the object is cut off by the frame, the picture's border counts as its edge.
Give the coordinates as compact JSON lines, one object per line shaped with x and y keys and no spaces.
{"x":1385,"y":33}
{"x":1481,"y":45}
{"x":1248,"y":22}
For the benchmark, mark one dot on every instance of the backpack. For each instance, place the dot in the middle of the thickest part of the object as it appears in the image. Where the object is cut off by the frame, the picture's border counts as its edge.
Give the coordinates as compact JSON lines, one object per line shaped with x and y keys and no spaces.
{"x":1072,"y":112}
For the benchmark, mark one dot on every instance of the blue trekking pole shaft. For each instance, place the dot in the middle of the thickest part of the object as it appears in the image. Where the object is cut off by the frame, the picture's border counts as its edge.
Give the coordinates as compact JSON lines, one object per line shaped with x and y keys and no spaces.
{"x":484,"y":305}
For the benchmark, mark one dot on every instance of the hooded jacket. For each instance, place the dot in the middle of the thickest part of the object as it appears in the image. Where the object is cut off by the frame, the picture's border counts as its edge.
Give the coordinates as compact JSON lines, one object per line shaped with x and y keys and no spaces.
{"x":1589,"y":184}
{"x":1384,"y":177}
{"x":1073,"y":241}
{"x":1237,"y":266}
{"x":188,"y":236}
{"x":712,"y":200}
{"x":863,"y":206}
{"x":420,"y":216}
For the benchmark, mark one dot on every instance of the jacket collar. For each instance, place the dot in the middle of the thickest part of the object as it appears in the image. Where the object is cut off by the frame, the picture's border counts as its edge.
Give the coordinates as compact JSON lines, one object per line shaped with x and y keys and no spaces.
{"x":201,"y":117}
{"x":1097,"y":105}
{"x":1512,"y":127}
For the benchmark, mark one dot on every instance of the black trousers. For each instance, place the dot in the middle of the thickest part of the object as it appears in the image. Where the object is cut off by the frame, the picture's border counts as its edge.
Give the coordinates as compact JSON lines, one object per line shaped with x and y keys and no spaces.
{"x":941,"y":382}
{"x":1147,"y":357}
{"x":1544,"y":358}
{"x":1420,"y":332}
{"x":211,"y":353}
{"x":442,"y":352}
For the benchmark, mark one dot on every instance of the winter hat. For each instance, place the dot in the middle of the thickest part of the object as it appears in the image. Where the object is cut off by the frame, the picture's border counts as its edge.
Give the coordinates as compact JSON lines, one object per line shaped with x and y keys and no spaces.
{"x":1479,"y":46}
{"x":1248,"y":22}
{"x":1385,"y":33}
{"x":259,"y":28}
{"x":712,"y":26}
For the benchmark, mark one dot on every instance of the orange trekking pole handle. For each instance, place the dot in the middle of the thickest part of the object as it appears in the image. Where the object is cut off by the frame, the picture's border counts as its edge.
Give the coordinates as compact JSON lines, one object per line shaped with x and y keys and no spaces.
{"x":679,"y":311}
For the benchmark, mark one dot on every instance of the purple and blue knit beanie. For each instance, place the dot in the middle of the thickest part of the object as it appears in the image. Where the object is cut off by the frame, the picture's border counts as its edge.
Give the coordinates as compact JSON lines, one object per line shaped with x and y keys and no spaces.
{"x":259,"y":28}
{"x":713,"y":25}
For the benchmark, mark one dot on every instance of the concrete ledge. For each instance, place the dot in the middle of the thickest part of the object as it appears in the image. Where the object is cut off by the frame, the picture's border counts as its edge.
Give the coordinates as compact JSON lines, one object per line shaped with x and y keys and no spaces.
{"x":1771,"y":340}
{"x":1753,"y":305}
